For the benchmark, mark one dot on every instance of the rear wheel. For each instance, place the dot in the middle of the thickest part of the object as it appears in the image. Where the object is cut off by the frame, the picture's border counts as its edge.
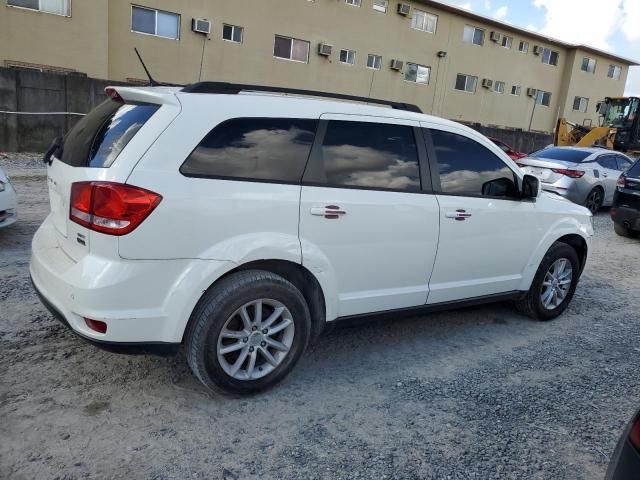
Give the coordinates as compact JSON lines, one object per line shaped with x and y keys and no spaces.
{"x":248,"y":332}
{"x":594,"y":200}
{"x":554,"y":284}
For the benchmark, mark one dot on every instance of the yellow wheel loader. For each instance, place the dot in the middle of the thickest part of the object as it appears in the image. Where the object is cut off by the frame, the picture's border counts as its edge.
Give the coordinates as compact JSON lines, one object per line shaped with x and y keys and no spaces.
{"x":619,"y":127}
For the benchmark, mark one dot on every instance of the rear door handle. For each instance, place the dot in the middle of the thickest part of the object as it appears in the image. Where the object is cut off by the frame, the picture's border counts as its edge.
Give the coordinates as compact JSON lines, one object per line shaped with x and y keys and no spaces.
{"x":332,"y":212}
{"x":460,"y":215}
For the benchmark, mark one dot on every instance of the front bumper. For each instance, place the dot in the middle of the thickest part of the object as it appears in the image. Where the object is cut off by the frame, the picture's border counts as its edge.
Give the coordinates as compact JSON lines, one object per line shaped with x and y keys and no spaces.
{"x":141,"y":301}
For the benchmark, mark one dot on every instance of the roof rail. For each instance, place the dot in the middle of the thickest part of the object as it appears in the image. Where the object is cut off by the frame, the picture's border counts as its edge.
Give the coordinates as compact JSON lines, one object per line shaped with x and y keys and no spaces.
{"x":235,"y":88}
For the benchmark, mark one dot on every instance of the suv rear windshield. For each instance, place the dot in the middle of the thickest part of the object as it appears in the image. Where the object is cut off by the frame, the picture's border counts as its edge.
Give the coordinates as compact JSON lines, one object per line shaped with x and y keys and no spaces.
{"x":634,"y":171}
{"x":564,"y":154}
{"x":98,"y":139}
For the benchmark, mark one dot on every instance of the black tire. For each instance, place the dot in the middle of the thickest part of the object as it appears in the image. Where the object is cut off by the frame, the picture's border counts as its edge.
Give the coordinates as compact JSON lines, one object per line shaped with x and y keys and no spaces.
{"x":531,"y":303}
{"x":595,"y":200}
{"x":624,"y":231}
{"x":216,"y":307}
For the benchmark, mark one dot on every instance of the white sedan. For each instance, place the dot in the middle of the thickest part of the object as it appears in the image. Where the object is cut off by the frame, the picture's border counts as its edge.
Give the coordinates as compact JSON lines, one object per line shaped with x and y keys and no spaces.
{"x":8,"y":201}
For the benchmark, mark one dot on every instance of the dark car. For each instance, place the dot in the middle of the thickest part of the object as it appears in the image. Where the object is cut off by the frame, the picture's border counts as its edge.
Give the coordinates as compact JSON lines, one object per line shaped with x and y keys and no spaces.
{"x":508,"y":149}
{"x":626,"y":203}
{"x":625,"y":461}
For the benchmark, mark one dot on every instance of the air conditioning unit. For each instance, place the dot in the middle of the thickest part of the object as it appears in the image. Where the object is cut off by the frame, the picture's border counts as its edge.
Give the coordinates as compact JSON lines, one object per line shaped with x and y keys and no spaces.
{"x":200,"y":25}
{"x":404,"y":9}
{"x":532,"y":92}
{"x":496,"y":37}
{"x":397,"y":65}
{"x":537,"y":50}
{"x":486,"y":83}
{"x":325,"y":49}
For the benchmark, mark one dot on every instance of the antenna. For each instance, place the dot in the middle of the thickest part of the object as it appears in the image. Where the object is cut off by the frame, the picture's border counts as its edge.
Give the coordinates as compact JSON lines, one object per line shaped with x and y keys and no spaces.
{"x":152,"y":82}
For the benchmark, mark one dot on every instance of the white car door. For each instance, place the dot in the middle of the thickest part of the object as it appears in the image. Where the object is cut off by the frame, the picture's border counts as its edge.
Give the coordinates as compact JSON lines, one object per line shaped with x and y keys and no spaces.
{"x":487,"y":233}
{"x":364,"y":219}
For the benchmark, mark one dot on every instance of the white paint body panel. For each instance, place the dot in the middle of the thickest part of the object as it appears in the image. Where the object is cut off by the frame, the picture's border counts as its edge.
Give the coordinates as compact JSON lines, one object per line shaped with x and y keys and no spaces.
{"x":8,"y":201}
{"x":391,"y":249}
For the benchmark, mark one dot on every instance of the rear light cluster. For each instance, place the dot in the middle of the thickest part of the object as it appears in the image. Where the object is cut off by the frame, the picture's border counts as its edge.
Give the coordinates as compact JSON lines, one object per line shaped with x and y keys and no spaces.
{"x":634,"y":434}
{"x":568,"y":172}
{"x":622,"y":181}
{"x":111,"y":208}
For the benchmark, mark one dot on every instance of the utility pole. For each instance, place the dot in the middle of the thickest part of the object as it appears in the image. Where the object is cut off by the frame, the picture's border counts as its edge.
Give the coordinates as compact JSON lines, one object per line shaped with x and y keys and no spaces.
{"x":535,"y":104}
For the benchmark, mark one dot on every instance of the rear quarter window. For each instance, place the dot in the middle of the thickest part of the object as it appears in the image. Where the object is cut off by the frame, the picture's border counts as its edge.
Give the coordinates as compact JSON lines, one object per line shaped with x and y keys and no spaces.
{"x":634,"y":171}
{"x":265,"y":149}
{"x":101,"y":135}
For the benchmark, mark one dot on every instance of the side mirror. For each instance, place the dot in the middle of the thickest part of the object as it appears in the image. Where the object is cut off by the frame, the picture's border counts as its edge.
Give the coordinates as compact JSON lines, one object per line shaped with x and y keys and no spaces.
{"x":530,"y":187}
{"x":499,"y":187}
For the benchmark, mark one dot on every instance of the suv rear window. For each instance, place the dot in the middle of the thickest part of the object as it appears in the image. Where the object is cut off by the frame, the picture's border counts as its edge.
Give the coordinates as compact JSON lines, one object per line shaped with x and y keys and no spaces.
{"x":564,"y":154}
{"x":98,"y":139}
{"x":634,"y":171}
{"x":266,"y":149}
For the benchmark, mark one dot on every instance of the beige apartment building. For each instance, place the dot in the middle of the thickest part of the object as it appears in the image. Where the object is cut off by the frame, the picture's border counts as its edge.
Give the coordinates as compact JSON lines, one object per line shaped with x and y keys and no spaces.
{"x":450,"y":62}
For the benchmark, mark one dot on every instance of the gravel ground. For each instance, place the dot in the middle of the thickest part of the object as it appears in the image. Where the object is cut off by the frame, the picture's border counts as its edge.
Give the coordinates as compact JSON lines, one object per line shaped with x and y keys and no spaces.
{"x":479,"y":393}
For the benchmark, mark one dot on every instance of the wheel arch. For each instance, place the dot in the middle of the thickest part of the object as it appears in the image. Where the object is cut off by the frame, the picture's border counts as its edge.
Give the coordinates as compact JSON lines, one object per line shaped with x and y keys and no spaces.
{"x":295,"y":273}
{"x":579,"y":244}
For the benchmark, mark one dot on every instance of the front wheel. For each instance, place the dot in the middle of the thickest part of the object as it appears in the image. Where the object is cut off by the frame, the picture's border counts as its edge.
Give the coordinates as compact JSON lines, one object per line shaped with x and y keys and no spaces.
{"x":554,"y":284}
{"x":248,"y":332}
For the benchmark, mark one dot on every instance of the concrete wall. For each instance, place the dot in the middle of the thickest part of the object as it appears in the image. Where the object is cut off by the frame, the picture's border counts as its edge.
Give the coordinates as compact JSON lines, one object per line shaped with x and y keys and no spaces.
{"x":31,"y":91}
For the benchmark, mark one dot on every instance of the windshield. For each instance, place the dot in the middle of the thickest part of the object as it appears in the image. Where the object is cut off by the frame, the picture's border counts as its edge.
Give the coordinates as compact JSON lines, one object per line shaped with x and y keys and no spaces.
{"x":621,"y":112}
{"x":564,"y":154}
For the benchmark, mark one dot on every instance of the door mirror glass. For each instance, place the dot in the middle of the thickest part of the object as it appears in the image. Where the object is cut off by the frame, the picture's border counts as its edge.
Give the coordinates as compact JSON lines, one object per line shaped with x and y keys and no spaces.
{"x":499,"y":187}
{"x":530,"y":187}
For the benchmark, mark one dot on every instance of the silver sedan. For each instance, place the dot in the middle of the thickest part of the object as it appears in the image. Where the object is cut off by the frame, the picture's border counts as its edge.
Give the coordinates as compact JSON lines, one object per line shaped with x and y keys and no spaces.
{"x":586,"y":176}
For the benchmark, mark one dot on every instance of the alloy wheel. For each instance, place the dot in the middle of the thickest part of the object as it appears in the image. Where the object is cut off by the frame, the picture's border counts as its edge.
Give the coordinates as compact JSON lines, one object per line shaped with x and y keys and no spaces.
{"x":556,"y":284}
{"x":255,"y":339}
{"x":594,"y":201}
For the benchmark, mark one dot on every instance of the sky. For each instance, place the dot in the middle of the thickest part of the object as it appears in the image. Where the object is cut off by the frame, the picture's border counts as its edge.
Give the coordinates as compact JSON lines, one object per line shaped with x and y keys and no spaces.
{"x":610,"y":25}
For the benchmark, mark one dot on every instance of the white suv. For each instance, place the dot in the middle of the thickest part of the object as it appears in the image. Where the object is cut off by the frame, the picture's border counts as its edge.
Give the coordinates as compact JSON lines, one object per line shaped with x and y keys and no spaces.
{"x":240,"y":222}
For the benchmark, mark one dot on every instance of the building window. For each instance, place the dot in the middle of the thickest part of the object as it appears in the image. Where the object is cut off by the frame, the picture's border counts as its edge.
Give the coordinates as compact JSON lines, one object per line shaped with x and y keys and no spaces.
{"x":381,"y":5}
{"x":466,"y":83}
{"x":615,"y":72}
{"x":291,"y":49}
{"x":498,"y":87}
{"x":550,"y":57}
{"x":473,"y":35}
{"x":507,"y":41}
{"x":155,"y":22}
{"x":516,"y":90}
{"x":374,"y":61}
{"x":348,"y":57}
{"x":353,"y":3}
{"x":417,"y":73}
{"x":543,"y":98}
{"x":232,"y":33}
{"x":580,"y":104}
{"x":588,"y":65}
{"x":523,"y":47}
{"x":57,"y":7}
{"x":424,"y":21}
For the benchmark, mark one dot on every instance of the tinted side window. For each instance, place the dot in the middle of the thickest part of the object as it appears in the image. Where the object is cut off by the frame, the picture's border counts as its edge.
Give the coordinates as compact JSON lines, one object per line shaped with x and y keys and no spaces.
{"x":373,"y":155}
{"x":608,"y":161}
{"x":274,"y":149}
{"x":468,"y":168}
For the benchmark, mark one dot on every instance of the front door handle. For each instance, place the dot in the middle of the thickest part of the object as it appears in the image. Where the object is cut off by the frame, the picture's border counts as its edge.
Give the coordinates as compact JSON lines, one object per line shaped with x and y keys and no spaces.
{"x":332,"y":212}
{"x":460,"y":215}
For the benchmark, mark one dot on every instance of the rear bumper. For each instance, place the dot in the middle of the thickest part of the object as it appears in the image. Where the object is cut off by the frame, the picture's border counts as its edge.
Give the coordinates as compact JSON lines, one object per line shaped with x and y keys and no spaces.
{"x":571,"y":189}
{"x":141,"y":301}
{"x":629,"y":217}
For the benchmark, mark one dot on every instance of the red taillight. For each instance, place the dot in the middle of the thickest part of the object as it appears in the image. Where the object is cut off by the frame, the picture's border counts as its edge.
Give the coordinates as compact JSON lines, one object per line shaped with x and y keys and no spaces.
{"x":568,"y":172}
{"x":113,"y":94}
{"x":634,"y":434}
{"x":622,"y":181}
{"x":111,"y":208}
{"x":96,"y":325}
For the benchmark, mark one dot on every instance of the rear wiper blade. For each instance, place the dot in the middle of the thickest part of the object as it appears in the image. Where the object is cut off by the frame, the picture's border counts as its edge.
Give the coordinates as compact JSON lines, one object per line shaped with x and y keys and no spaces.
{"x":55,"y":150}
